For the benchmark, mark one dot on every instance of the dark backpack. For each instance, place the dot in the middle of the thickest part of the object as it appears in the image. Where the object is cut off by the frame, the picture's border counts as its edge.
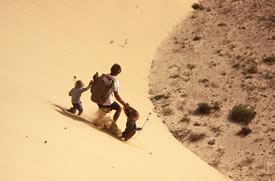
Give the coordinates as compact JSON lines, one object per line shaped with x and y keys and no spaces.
{"x":102,"y":88}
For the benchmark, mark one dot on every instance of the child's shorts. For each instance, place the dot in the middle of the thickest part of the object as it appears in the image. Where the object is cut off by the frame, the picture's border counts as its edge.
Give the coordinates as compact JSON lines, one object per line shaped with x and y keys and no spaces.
{"x":78,"y":106}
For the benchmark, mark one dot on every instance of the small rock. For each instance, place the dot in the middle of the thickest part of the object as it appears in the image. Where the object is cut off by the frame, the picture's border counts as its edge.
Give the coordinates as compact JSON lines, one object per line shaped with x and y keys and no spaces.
{"x":212,"y":142}
{"x":196,"y":124}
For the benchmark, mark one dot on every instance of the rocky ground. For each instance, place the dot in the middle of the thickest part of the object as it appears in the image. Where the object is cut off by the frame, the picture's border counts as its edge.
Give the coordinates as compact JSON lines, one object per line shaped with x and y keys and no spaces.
{"x":222,"y":56}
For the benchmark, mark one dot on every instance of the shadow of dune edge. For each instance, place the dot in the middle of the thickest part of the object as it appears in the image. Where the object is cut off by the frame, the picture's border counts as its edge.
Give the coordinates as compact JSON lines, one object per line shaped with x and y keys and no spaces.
{"x":44,"y":45}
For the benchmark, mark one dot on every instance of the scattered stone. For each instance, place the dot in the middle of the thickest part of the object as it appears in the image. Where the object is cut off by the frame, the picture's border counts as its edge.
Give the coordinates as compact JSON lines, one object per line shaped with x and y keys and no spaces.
{"x":196,"y":124}
{"x":211,"y":142}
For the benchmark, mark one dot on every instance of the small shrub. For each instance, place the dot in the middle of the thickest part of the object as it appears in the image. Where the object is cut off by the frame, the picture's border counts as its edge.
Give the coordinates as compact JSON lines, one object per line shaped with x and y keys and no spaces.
{"x":238,"y":57}
{"x":180,"y":134}
{"x":196,"y":124}
{"x":185,"y":119}
{"x":242,"y":114}
{"x":244,"y":132}
{"x":196,"y":137}
{"x":247,"y":162}
{"x":184,"y":95}
{"x":252,"y":69}
{"x":215,"y":163}
{"x":162,"y":96}
{"x":216,"y":130}
{"x":236,"y":66}
{"x":221,"y":24}
{"x":191,"y":66}
{"x":204,"y":80}
{"x":197,"y":6}
{"x":216,"y":106}
{"x":174,"y":76}
{"x":203,"y":108}
{"x":269,"y":60}
{"x":196,"y":38}
{"x":168,"y":112}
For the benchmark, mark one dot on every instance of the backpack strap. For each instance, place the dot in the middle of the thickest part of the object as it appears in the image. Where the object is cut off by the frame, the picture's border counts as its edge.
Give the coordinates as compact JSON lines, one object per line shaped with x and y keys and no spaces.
{"x":110,"y":78}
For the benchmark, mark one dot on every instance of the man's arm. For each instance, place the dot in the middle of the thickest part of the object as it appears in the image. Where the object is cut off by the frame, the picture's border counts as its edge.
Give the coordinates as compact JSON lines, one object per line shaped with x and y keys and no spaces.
{"x":118,"y":98}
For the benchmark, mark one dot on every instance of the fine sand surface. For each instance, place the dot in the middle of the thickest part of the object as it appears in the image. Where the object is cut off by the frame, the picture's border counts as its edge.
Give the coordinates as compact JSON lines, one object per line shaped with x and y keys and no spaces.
{"x":44,"y":44}
{"x":221,"y":56}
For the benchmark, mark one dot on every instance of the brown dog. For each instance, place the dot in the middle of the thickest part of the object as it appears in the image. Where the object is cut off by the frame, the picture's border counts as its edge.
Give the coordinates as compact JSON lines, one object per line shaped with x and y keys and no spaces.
{"x":132,"y":117}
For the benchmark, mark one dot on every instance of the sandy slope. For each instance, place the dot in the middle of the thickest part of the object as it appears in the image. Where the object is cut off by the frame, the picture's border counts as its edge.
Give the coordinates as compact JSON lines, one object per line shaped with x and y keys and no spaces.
{"x":43,"y":45}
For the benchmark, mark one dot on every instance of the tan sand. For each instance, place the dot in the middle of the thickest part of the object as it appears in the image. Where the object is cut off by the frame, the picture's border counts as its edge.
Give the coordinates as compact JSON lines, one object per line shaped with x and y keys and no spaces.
{"x":44,"y":44}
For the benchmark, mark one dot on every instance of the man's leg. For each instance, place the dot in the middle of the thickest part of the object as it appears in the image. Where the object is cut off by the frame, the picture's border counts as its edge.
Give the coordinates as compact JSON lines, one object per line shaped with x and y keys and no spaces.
{"x":115,"y":106}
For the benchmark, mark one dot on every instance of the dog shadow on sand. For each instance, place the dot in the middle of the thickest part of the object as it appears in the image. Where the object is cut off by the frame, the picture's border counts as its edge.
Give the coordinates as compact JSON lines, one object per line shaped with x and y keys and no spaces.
{"x":100,"y":122}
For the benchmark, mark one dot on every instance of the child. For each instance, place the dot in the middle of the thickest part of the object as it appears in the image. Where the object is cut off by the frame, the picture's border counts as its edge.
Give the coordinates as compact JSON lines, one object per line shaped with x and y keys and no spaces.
{"x":131,"y":128}
{"x":75,"y":93}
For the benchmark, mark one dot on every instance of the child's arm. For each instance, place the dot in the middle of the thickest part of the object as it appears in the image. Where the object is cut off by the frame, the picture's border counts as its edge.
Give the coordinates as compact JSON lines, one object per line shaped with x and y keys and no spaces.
{"x":70,"y":93}
{"x":89,"y":86}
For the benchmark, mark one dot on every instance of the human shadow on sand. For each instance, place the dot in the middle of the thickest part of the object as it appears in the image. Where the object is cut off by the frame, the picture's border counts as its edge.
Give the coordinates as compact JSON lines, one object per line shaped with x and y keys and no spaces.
{"x":110,"y":132}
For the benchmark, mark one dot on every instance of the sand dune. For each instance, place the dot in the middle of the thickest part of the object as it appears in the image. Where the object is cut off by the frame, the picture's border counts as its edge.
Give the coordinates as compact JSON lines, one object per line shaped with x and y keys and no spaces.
{"x":44,"y":44}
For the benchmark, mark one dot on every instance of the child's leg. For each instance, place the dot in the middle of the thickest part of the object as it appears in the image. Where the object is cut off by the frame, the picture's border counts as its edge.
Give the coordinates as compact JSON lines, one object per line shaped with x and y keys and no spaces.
{"x":72,"y":109}
{"x":79,"y":108}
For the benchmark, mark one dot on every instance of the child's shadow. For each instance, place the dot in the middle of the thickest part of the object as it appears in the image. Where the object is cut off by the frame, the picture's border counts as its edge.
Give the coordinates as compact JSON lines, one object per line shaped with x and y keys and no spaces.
{"x":63,"y":111}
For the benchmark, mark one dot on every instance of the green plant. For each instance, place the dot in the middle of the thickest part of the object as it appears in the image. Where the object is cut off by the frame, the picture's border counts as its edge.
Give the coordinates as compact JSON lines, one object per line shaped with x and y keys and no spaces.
{"x":242,"y":114}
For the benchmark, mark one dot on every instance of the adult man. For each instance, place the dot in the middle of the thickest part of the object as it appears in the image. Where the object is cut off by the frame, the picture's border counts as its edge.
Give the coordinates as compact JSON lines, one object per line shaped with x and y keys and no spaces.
{"x":110,"y":103}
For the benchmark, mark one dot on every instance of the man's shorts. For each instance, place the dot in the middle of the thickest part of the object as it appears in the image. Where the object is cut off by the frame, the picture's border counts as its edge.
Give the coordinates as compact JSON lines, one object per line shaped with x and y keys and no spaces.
{"x":114,"y":106}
